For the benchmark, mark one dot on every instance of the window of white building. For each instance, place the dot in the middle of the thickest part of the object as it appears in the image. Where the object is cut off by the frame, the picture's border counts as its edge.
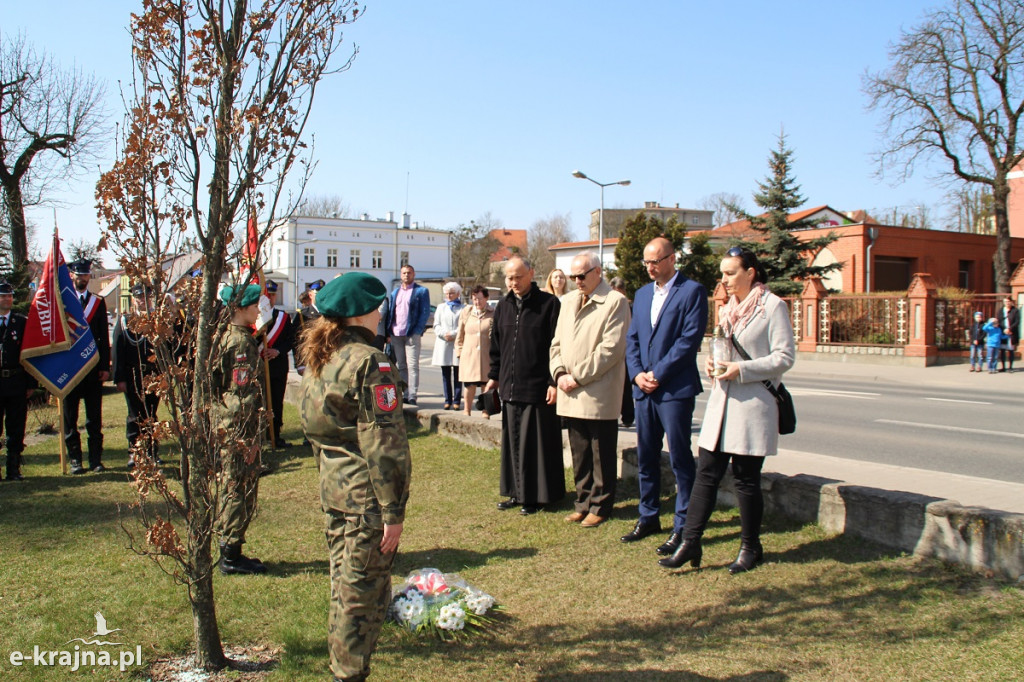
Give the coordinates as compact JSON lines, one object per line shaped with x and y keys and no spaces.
{"x":307,"y":257}
{"x":404,"y":260}
{"x":332,"y":258}
{"x":353,"y":258}
{"x":377,"y":262}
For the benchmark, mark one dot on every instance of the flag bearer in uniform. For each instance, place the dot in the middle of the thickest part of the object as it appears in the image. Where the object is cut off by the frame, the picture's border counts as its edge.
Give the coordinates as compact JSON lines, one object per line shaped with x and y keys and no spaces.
{"x":351,"y":410}
{"x":90,"y":388}
{"x":16,"y":385}
{"x":238,"y":409}
{"x":280,"y":341}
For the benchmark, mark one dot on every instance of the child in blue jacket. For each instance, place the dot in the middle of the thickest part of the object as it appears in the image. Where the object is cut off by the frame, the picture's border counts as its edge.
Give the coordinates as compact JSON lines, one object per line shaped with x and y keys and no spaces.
{"x":994,"y":336}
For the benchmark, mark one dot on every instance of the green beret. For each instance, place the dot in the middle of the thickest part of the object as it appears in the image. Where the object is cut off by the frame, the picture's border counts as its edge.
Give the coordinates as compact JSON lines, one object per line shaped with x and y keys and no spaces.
{"x":350,"y":295}
{"x":249,"y":296}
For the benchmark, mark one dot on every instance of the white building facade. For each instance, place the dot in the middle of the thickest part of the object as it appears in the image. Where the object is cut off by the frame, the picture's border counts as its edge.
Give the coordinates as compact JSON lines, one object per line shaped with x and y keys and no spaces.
{"x":302,"y":250}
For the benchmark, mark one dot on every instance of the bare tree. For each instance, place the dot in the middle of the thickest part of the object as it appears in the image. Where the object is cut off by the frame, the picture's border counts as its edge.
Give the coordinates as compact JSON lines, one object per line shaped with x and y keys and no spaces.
{"x":324,"y":206}
{"x":545,"y":233}
{"x":472,"y":248}
{"x":51,"y":120}
{"x":488,"y":222}
{"x":728,"y":207}
{"x":955,"y":91}
{"x":83,"y":250}
{"x":214,"y":126}
{"x":970,"y":210}
{"x":918,"y":216}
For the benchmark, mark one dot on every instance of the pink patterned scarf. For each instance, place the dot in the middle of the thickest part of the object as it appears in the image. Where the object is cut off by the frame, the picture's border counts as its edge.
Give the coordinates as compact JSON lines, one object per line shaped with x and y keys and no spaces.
{"x":735,"y":315}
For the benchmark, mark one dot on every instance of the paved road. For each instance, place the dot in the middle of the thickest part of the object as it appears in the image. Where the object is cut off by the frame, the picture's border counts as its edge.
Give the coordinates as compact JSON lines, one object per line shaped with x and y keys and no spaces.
{"x":968,"y":431}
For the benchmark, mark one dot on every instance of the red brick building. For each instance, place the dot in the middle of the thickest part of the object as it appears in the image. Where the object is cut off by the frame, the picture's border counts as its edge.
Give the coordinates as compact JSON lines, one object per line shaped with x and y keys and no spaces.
{"x":512,"y":241}
{"x":885,"y":257}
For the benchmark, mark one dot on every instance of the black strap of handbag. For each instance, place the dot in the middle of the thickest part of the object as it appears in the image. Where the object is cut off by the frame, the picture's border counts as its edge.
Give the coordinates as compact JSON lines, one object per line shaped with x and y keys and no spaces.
{"x":746,"y":356}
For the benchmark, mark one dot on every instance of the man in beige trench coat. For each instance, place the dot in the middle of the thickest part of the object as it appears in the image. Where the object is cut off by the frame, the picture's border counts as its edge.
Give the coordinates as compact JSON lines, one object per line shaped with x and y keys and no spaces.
{"x":588,"y":364}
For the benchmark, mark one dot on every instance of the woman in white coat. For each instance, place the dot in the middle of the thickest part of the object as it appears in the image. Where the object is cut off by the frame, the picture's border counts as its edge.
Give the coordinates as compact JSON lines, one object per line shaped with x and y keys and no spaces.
{"x":446,"y":326}
{"x":741,"y":422}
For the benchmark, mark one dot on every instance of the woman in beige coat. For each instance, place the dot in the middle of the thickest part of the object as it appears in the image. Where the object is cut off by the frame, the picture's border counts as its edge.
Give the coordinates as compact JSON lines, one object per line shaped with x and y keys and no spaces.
{"x":741,"y":421}
{"x":473,"y":344}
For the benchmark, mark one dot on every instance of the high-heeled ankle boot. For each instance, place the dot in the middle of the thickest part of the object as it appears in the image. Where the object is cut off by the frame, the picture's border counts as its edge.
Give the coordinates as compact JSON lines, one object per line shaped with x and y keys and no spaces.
{"x":690,"y":551}
{"x":749,"y":556}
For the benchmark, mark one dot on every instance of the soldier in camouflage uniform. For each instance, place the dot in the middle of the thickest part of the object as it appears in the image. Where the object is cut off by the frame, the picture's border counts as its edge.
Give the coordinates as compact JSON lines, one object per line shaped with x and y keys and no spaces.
{"x":351,"y":410}
{"x":238,"y":410}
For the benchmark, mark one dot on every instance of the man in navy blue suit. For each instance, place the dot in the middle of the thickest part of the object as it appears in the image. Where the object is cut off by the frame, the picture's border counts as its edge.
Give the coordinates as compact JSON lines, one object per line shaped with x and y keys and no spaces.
{"x":669,"y":319}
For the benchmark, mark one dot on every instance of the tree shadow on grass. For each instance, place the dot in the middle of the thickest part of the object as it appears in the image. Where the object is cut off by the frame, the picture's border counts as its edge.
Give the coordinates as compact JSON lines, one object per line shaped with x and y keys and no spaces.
{"x":287,"y":569}
{"x":453,"y":560}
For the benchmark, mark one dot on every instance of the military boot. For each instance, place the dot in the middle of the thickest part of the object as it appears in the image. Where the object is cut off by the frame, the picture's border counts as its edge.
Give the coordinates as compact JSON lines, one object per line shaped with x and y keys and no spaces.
{"x":14,"y":468}
{"x":232,"y":561}
{"x":76,"y":467}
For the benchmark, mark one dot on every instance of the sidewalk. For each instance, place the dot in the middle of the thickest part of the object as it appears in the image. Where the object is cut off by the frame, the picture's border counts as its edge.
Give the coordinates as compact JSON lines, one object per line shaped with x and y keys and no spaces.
{"x":944,"y":376}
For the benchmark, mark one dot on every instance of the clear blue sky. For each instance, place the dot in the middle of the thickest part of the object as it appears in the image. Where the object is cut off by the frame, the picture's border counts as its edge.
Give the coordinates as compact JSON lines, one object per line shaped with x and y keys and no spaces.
{"x":489,"y":106}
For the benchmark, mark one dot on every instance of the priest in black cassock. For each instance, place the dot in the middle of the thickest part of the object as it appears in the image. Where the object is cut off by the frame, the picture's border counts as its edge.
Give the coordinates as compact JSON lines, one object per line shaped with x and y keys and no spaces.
{"x":531,"y":434}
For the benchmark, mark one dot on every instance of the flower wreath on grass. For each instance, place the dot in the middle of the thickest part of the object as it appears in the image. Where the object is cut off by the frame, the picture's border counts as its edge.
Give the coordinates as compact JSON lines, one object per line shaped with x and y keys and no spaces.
{"x":443,"y":603}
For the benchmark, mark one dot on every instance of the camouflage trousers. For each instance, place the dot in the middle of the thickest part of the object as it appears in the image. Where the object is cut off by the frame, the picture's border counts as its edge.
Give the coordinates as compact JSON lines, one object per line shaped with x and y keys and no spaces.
{"x":360,"y":590}
{"x":239,"y":485}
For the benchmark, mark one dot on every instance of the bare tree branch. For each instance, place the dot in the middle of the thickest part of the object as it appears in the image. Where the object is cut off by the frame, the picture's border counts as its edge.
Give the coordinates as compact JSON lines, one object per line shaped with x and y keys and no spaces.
{"x":955,"y":90}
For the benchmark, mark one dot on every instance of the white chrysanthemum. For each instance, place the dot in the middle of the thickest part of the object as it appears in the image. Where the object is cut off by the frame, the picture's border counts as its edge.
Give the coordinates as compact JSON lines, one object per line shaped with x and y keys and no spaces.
{"x":451,"y":617}
{"x":479,"y":602}
{"x":400,"y":609}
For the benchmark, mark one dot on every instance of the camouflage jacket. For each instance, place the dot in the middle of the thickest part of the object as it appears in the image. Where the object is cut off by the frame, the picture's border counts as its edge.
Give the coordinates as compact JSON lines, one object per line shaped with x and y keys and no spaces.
{"x":352,"y":414}
{"x":237,"y":390}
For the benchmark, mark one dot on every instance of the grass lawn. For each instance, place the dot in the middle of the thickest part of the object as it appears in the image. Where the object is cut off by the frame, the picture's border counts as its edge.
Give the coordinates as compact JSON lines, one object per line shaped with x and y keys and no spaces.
{"x":579,"y":605}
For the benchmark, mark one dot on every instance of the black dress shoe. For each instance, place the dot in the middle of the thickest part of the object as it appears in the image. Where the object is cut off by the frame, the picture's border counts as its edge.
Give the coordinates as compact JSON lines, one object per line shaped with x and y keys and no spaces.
{"x":76,"y":468}
{"x":529,"y":509}
{"x":641,"y":530}
{"x":746,"y":559}
{"x":15,"y":476}
{"x":690,"y":551}
{"x":508,"y":504}
{"x":671,"y":545}
{"x":281,"y":444}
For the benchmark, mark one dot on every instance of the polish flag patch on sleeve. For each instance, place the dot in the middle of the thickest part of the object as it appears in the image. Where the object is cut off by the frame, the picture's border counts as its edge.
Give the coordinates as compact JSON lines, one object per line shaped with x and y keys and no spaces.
{"x":384,"y":366}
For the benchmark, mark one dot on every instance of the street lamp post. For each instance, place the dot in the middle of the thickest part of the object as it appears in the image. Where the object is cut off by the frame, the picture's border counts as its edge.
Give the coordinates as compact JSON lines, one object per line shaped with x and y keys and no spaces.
{"x":600,"y":219}
{"x":296,"y":243}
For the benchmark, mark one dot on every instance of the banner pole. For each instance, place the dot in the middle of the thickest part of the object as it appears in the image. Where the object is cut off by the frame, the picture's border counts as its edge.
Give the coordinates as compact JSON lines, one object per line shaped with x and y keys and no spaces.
{"x":63,"y":443}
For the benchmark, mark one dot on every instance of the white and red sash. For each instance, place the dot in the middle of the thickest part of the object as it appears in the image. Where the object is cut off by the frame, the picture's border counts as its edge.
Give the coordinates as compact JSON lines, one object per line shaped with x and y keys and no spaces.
{"x":90,"y":307}
{"x":275,"y":328}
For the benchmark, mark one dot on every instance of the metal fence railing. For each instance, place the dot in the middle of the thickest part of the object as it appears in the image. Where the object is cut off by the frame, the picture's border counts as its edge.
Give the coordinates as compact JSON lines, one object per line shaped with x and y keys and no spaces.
{"x":953,"y":318}
{"x":882,"y":320}
{"x":863,"y":320}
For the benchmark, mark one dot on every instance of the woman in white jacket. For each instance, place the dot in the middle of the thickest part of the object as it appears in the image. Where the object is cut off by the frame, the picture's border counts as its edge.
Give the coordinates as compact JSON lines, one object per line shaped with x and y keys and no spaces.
{"x":741,"y":422}
{"x":446,"y":326}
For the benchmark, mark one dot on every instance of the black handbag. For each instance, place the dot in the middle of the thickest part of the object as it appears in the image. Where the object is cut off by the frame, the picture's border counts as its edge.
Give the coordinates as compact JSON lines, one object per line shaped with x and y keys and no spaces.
{"x":787,"y":410}
{"x":489,"y":402}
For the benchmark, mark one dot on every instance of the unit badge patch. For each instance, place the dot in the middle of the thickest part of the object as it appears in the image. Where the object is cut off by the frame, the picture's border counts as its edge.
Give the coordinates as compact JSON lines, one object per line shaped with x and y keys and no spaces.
{"x":240,"y":375}
{"x":387,"y":397}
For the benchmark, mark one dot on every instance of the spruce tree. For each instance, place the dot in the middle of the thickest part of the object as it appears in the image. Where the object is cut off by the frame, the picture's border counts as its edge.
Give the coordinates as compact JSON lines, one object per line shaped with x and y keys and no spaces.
{"x":786,"y":258}
{"x":629,"y":252}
